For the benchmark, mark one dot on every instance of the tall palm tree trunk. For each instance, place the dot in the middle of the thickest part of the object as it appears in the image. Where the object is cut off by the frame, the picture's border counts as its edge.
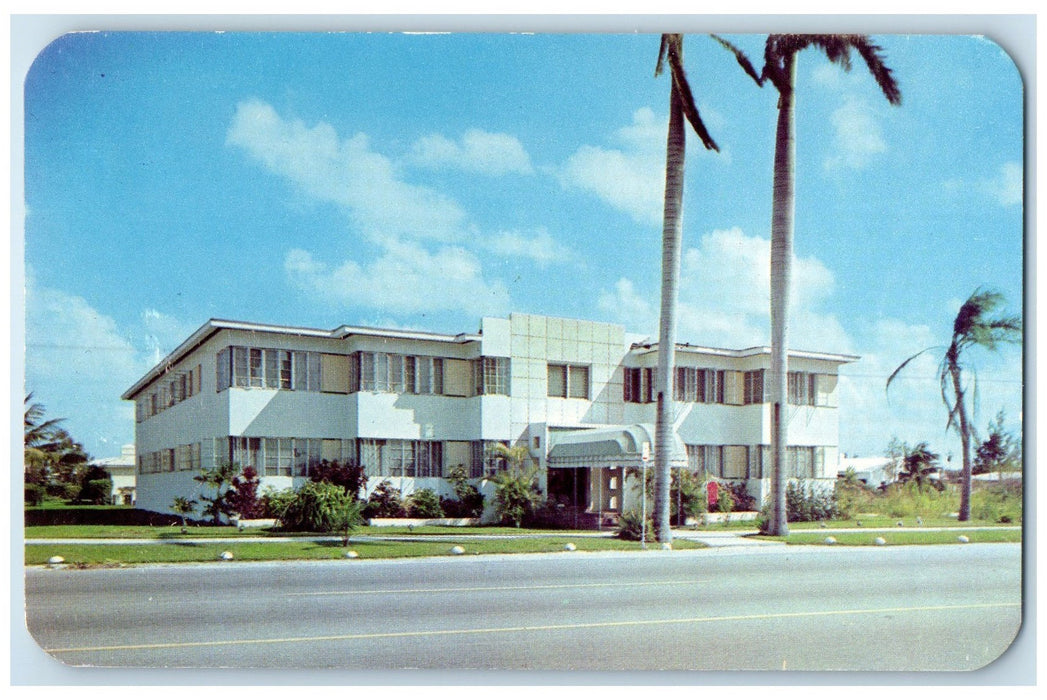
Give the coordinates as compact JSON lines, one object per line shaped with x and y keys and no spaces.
{"x":672,"y":233}
{"x":781,"y":277}
{"x":965,"y":443}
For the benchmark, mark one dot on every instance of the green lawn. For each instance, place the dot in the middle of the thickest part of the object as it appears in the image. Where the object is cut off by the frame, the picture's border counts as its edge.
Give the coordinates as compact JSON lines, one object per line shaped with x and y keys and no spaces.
{"x":115,"y":555}
{"x":884,"y":521}
{"x":900,"y":537}
{"x":225,"y":531}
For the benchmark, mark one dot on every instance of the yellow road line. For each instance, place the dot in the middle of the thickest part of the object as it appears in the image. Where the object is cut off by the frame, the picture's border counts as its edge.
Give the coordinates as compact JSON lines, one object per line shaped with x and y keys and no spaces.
{"x":481,"y":589}
{"x":527,"y":628}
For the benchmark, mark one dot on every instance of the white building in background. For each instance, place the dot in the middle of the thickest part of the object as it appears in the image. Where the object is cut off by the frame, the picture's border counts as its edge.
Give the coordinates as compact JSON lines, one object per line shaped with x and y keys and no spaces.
{"x":410,"y":406}
{"x":122,"y":472}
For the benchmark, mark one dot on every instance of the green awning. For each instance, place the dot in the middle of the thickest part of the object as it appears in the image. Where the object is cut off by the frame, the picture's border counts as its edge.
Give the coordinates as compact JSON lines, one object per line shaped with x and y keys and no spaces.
{"x":620,"y":445}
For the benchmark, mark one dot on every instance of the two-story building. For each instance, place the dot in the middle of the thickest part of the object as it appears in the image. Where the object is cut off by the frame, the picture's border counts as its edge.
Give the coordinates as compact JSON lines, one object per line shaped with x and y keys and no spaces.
{"x":410,"y":406}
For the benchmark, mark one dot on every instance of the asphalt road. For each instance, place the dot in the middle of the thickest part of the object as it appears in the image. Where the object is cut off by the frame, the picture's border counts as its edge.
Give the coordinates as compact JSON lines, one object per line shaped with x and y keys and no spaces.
{"x":795,"y":608}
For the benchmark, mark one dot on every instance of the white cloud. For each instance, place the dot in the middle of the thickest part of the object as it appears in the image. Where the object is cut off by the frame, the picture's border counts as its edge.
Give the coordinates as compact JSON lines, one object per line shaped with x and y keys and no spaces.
{"x":857,"y":137}
{"x":539,"y":247}
{"x":78,"y":362}
{"x":163,"y":333}
{"x":406,"y":278}
{"x":724,"y":297}
{"x":631,"y":178}
{"x":479,"y":152}
{"x":346,"y":172}
{"x":1008,"y":186}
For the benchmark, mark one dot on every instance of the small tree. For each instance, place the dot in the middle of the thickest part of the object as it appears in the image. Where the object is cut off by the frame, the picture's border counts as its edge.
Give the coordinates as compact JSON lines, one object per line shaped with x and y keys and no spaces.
{"x":385,"y":501}
{"x":468,"y":501}
{"x":424,"y":503}
{"x":94,"y":485}
{"x":183,"y":506}
{"x":999,"y":452}
{"x":516,"y":489}
{"x":918,"y":465}
{"x":322,"y":507}
{"x":348,"y":475}
{"x":218,"y":480}
{"x":243,"y":494}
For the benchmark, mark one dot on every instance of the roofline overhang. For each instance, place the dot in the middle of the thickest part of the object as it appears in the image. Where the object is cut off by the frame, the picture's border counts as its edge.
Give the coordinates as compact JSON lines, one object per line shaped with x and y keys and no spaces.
{"x":214,"y":325}
{"x":647,"y":348}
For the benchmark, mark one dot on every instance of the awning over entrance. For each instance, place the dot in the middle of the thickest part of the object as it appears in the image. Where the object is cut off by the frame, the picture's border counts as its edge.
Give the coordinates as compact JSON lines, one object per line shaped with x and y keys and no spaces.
{"x":610,"y":446}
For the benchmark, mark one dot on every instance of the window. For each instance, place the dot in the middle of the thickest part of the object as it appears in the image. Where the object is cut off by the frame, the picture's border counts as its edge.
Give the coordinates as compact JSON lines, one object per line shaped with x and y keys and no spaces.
{"x":279,"y":455}
{"x":492,"y":375}
{"x":224,"y":370}
{"x":247,"y":452}
{"x":272,"y":369}
{"x":400,"y":457}
{"x":710,"y":385}
{"x":486,"y":461}
{"x":306,"y":374}
{"x":184,"y":458}
{"x":801,"y":388}
{"x":753,"y":387}
{"x":370,"y":458}
{"x":685,"y":385}
{"x":568,"y":381}
{"x":307,"y":456}
{"x":578,"y":382}
{"x":429,"y":459}
{"x":705,"y":458}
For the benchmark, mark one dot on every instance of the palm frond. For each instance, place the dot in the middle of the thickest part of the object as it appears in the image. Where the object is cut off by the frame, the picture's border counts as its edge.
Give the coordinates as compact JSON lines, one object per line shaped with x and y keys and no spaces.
{"x":903,"y":366}
{"x":873,"y":56}
{"x":683,"y":88}
{"x":661,"y":55}
{"x":742,"y":59}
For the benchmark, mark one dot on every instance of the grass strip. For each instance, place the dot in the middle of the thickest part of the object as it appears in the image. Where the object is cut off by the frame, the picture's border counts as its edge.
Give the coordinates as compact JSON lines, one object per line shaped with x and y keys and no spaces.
{"x":227,"y":531}
{"x":901,"y":537}
{"x":117,"y":555}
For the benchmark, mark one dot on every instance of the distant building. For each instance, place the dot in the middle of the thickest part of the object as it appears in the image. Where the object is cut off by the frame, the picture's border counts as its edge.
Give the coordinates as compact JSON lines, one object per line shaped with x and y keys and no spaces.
{"x":122,"y":469}
{"x":411,"y":405}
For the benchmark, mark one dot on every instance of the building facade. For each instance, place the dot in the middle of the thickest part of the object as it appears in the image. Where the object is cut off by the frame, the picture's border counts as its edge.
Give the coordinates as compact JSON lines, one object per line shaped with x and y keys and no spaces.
{"x":411,"y":406}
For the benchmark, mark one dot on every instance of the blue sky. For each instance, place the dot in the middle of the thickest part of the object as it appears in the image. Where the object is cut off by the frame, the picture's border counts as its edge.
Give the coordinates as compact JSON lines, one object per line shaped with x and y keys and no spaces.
{"x":424,"y":181}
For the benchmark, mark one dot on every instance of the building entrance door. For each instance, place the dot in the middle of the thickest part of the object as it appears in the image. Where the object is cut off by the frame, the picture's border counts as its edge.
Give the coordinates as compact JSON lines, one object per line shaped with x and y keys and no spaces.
{"x":570,"y":487}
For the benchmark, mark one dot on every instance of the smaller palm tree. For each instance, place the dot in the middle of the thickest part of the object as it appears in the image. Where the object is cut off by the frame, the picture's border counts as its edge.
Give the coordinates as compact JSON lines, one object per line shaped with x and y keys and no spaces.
{"x":183,"y":506}
{"x":918,"y":465}
{"x":977,"y":325}
{"x":516,"y":489}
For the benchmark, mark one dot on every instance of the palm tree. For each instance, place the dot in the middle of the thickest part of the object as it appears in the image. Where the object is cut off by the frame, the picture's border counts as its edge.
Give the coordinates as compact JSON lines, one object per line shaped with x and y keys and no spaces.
{"x":49,"y":450}
{"x":975,"y":326}
{"x":919,"y":464}
{"x":780,"y":53}
{"x":681,"y":103}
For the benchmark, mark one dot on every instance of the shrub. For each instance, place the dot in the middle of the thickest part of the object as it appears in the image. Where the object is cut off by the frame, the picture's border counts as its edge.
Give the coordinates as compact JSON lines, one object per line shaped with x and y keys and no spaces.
{"x":629,"y":527}
{"x":183,"y":506}
{"x":468,"y":501}
{"x":742,"y":500}
{"x":274,"y":503}
{"x":218,"y":480}
{"x":806,"y":503}
{"x":34,"y":494}
{"x":725,"y":503}
{"x":243,"y":494}
{"x":516,"y":495}
{"x":385,"y":502}
{"x":348,"y":475}
{"x":322,"y":507}
{"x":997,"y":503}
{"x":96,"y":491}
{"x":424,"y":503}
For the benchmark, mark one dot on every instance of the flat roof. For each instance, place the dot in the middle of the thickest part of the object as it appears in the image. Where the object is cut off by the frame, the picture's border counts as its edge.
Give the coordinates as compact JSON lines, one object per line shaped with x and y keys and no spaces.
{"x":214,"y":325}
{"x":749,"y":352}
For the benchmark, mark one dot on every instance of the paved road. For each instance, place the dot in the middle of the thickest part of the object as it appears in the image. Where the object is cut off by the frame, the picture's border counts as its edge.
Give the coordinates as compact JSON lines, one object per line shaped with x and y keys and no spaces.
{"x":735,"y":608}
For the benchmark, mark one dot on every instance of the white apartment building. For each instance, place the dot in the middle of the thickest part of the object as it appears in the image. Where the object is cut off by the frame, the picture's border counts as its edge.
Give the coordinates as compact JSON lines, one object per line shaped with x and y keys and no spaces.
{"x":410,"y":406}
